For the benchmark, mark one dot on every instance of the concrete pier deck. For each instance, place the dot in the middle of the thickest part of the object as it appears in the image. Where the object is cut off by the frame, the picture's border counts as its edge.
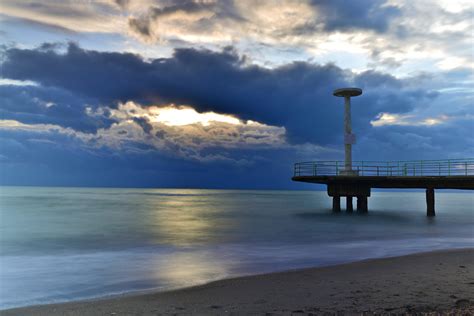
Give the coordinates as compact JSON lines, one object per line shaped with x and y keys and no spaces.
{"x":394,"y":182}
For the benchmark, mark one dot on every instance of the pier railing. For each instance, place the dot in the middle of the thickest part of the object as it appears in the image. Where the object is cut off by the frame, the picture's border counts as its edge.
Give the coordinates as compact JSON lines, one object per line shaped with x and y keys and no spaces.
{"x":450,"y":167}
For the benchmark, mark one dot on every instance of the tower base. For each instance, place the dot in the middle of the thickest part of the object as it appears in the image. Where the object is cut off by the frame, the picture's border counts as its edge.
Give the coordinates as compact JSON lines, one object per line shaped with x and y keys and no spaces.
{"x":349,"y":173}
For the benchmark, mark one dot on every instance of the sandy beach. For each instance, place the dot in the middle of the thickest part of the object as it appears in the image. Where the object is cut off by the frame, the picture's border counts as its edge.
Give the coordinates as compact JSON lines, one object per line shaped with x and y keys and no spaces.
{"x":431,"y":282}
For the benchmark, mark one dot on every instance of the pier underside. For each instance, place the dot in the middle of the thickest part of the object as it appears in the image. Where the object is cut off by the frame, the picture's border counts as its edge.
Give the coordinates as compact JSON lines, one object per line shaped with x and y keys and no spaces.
{"x":360,"y":187}
{"x":394,"y":182}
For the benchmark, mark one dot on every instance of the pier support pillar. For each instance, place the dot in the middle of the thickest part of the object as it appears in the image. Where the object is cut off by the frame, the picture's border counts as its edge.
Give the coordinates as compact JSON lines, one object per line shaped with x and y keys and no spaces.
{"x":336,"y":204}
{"x":348,"y":190}
{"x":362,"y":204}
{"x":349,"y":207}
{"x":430,"y":202}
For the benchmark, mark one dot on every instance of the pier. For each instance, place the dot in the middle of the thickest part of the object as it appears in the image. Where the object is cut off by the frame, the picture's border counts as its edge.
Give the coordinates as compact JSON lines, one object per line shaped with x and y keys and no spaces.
{"x":356,"y":179}
{"x":421,"y":174}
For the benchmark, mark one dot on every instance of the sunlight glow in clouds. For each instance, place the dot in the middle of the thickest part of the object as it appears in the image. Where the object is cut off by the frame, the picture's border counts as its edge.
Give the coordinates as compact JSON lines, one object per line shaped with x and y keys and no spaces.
{"x":178,"y":131}
{"x":179,"y":116}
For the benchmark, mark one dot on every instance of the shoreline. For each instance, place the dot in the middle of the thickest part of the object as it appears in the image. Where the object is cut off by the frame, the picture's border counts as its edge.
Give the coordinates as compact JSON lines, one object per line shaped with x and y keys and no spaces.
{"x":422,"y":282}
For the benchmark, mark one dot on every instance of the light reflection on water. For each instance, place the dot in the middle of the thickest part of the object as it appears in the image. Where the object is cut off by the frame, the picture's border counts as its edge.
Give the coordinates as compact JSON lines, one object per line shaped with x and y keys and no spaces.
{"x":189,"y":268}
{"x":181,"y":223}
{"x":62,"y":244}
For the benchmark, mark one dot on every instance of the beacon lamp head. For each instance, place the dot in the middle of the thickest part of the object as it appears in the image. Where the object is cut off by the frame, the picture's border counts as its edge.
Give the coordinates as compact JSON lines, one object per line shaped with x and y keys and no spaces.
{"x":347,"y":92}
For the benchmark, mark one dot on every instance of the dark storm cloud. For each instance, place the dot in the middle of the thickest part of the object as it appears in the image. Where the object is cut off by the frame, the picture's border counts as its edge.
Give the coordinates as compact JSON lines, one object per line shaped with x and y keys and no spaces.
{"x":451,"y":139}
{"x":48,"y":105}
{"x":343,"y":15}
{"x":297,"y":96}
{"x":88,"y":73}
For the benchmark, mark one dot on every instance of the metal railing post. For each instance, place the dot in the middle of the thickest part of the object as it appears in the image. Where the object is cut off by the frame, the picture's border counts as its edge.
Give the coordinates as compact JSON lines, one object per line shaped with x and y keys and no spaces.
{"x":465,"y":168}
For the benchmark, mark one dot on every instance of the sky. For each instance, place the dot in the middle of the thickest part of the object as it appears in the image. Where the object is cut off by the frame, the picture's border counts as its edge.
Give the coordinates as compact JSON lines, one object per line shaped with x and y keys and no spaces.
{"x":227,"y":94}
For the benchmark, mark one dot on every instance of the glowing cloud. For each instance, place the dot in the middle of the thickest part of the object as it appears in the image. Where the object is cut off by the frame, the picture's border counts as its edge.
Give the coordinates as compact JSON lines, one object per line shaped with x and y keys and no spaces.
{"x":406,"y":120}
{"x":179,"y":116}
{"x":177,"y":130}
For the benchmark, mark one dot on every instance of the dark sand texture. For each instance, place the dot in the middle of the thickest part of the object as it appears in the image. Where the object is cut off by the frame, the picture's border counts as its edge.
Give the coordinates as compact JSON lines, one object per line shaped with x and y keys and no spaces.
{"x":421,"y":283}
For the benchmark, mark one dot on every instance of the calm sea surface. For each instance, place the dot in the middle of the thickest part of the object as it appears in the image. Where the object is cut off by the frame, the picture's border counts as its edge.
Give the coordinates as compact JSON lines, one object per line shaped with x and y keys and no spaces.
{"x":60,"y":244}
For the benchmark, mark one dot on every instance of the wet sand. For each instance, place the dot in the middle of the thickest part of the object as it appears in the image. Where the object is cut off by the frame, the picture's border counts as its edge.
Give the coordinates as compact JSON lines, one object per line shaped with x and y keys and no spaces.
{"x":431,"y":282}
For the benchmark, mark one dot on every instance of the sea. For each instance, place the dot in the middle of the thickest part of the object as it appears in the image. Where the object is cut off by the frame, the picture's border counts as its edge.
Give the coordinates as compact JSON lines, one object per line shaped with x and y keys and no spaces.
{"x":64,"y":244}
